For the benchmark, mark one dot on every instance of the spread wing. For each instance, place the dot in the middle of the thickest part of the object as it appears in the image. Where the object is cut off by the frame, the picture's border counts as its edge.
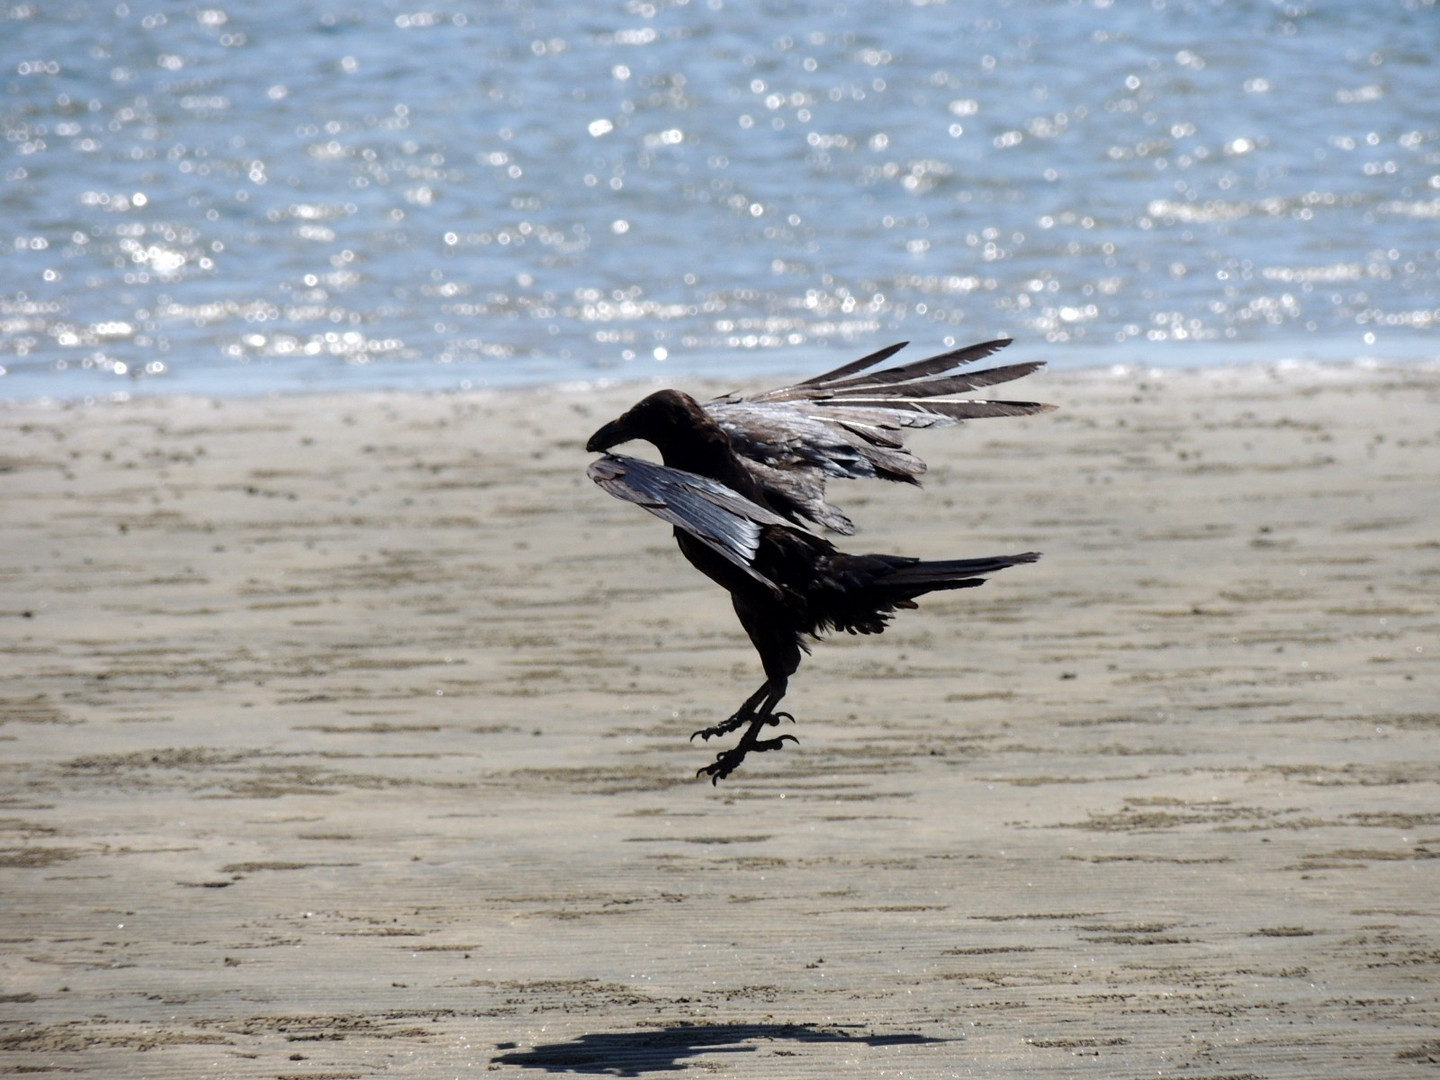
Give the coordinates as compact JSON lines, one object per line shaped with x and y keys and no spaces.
{"x":721,"y":518}
{"x":849,"y":423}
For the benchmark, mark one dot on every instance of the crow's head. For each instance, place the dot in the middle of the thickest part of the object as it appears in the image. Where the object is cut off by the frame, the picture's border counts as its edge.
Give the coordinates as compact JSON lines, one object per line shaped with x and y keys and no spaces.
{"x":667,"y":418}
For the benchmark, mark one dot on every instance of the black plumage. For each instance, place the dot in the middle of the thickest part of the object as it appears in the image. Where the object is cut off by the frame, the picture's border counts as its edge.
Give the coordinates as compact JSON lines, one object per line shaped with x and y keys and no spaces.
{"x":741,"y":474}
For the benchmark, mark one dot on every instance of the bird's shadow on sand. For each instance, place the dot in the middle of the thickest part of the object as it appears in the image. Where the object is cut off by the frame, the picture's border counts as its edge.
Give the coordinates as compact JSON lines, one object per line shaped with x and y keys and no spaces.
{"x":633,"y":1053}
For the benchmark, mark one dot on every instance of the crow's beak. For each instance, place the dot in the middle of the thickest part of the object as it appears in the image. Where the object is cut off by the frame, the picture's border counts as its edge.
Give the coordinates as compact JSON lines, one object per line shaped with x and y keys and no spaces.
{"x":612,"y":434}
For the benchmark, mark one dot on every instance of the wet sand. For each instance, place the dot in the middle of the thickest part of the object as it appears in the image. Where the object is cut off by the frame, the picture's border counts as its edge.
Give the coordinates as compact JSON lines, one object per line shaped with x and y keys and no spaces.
{"x":347,"y":737}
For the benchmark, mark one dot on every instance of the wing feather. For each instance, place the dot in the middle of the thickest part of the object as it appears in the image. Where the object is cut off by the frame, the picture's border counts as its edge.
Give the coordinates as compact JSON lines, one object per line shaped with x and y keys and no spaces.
{"x":856,"y":365}
{"x":719,"y":517}
{"x":849,"y":423}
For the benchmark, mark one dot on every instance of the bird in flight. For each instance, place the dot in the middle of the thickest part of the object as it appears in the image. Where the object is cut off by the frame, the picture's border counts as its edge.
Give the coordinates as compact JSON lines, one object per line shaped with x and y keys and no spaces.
{"x":743,"y":485}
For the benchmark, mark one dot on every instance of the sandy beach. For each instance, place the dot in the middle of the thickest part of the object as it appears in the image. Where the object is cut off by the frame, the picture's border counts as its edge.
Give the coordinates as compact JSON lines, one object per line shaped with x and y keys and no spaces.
{"x":346,"y":737}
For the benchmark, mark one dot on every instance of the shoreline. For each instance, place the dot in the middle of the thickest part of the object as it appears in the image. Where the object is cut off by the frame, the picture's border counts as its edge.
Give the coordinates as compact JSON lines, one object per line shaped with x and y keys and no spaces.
{"x":747,"y":369}
{"x":347,"y":735}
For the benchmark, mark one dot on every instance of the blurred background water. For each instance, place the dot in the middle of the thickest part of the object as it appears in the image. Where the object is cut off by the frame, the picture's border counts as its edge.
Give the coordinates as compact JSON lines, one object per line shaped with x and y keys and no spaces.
{"x":255,"y":197}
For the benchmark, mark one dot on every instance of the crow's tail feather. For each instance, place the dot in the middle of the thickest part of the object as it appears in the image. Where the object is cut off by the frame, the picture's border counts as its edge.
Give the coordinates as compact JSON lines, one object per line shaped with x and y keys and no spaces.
{"x":861,"y":592}
{"x":917,"y":578}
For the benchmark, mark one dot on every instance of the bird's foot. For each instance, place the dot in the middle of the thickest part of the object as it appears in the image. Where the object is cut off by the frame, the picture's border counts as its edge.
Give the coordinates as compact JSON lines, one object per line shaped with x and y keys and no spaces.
{"x":727,"y":761}
{"x":740,"y":719}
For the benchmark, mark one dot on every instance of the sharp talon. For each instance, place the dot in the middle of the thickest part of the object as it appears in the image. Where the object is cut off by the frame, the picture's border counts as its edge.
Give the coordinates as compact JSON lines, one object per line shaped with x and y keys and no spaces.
{"x":775,"y":718}
{"x":722,"y":728}
{"x":775,"y":743}
{"x":725,"y":763}
{"x":718,"y":769}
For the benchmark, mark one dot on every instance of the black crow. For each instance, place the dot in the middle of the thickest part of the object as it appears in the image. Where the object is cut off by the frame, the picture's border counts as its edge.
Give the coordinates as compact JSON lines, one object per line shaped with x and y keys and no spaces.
{"x":742,"y":473}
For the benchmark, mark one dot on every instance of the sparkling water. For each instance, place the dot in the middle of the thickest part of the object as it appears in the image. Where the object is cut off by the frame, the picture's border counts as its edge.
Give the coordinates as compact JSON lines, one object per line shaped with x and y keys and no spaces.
{"x":261,"y":197}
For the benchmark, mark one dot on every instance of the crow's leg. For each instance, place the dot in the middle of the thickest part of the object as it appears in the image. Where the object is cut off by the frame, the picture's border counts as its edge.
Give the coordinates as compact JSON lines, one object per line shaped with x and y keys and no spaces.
{"x":746,"y":712}
{"x":727,"y":761}
{"x":759,"y":712}
{"x":776,"y":638}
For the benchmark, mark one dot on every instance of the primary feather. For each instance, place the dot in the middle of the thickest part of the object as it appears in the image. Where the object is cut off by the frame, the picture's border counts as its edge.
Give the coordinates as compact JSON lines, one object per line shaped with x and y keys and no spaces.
{"x":849,"y":423}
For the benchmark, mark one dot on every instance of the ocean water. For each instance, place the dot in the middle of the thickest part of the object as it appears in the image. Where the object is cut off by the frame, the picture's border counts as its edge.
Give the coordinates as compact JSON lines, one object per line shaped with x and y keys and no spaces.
{"x":254,"y":197}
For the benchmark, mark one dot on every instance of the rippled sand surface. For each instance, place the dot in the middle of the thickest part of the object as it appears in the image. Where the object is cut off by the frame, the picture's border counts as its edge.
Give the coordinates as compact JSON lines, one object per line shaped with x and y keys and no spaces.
{"x":346,"y":737}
